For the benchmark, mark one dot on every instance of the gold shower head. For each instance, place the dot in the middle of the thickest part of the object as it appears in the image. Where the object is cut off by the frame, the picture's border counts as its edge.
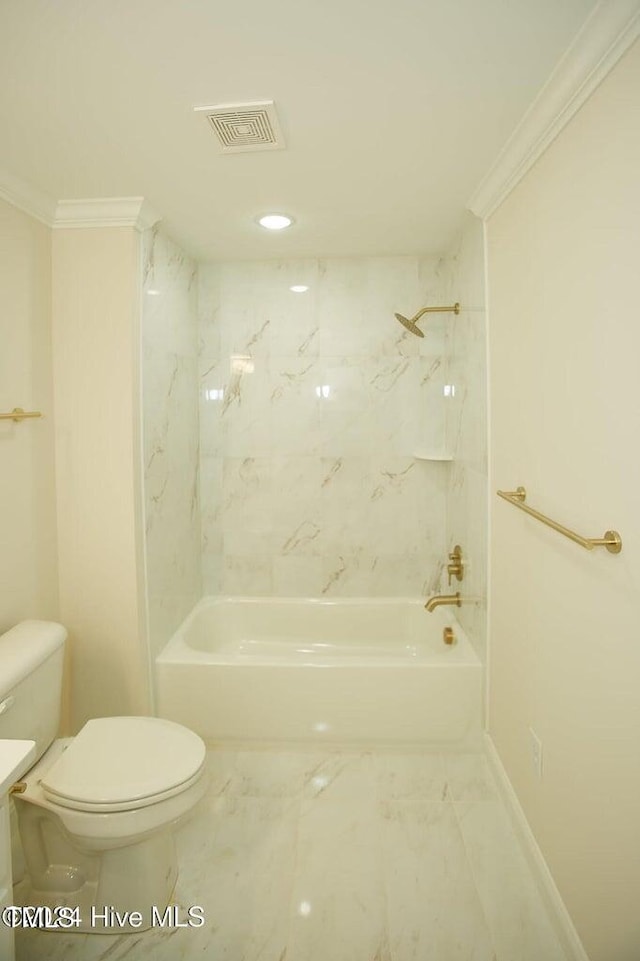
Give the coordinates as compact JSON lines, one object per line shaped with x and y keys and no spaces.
{"x":412,"y":324}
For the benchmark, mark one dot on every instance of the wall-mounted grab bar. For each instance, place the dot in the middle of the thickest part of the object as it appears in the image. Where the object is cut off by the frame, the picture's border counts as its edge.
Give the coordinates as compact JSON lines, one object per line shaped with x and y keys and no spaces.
{"x":611,"y":540}
{"x":18,"y":414}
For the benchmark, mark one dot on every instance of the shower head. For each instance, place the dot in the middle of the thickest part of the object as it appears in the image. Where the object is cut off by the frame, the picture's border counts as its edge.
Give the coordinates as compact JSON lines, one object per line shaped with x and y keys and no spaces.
{"x":412,"y":324}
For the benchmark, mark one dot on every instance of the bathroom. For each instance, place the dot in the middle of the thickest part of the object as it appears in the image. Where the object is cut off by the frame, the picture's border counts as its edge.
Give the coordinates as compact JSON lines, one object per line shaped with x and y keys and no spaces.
{"x":208,"y":432}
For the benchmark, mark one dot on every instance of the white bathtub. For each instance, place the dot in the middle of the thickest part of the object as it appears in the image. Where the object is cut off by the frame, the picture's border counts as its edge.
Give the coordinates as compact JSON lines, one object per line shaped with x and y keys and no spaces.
{"x":352,"y":670}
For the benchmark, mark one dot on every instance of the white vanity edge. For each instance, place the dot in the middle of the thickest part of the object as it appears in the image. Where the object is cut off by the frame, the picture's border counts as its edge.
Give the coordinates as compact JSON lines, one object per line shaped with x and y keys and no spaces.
{"x":13,"y":757}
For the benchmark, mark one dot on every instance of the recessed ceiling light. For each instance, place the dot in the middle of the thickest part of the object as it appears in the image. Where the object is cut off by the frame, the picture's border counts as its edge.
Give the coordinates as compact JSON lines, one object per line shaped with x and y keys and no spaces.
{"x":299,"y":288}
{"x":275,"y":221}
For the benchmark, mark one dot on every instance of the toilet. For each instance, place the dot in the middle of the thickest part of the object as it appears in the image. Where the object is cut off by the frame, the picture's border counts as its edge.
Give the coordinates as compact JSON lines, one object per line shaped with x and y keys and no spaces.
{"x":97,"y":811}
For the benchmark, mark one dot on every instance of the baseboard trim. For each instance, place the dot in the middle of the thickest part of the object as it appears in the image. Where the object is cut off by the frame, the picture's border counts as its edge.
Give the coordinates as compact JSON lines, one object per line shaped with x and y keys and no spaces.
{"x":549,"y":892}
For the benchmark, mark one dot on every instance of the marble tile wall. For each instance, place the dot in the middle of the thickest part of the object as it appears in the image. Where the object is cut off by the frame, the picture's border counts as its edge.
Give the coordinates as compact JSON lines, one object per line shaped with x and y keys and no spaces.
{"x":466,"y":425}
{"x":312,"y":407}
{"x":170,"y":435}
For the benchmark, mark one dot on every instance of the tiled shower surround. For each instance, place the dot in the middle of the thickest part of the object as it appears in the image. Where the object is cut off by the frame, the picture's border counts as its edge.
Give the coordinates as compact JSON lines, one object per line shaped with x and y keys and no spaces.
{"x":466,"y":352}
{"x":295,"y":474}
{"x":312,"y":407}
{"x":170,"y":435}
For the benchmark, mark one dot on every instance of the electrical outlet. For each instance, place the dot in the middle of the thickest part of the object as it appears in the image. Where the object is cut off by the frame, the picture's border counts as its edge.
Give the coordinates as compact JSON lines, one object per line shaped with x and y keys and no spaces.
{"x":536,"y":753}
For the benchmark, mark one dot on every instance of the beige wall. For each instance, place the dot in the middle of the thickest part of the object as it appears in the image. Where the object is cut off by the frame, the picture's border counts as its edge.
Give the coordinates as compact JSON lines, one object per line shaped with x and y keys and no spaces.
{"x":564,"y":296}
{"x":96,"y":297}
{"x":28,"y":569}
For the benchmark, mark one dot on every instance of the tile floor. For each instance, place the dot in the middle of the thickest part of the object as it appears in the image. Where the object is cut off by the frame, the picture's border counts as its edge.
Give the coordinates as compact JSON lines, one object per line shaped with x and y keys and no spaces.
{"x":340,"y":857}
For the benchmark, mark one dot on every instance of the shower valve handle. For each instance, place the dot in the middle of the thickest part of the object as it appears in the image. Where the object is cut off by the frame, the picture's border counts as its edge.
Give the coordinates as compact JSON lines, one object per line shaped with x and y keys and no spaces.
{"x":456,"y":567}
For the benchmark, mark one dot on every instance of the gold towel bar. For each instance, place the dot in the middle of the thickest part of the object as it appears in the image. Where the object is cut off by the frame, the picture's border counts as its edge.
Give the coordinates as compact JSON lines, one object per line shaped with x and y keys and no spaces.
{"x":611,"y":540}
{"x":19,"y":414}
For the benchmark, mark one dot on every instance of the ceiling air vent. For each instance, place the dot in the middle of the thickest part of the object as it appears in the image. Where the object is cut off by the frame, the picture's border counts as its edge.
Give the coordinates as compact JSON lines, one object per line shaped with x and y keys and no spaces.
{"x":245,"y":126}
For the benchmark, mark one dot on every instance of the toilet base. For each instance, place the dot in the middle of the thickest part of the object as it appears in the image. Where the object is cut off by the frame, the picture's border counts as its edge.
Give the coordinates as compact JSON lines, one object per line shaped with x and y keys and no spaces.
{"x":114,"y":890}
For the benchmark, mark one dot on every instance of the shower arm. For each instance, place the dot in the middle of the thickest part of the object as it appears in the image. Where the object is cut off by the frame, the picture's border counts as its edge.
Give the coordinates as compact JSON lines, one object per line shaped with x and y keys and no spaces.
{"x":454,"y":309}
{"x":410,"y":323}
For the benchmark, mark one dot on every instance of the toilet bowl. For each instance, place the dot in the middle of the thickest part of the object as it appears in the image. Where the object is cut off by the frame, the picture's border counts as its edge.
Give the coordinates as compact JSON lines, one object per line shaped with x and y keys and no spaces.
{"x":97,"y":815}
{"x":97,"y":811}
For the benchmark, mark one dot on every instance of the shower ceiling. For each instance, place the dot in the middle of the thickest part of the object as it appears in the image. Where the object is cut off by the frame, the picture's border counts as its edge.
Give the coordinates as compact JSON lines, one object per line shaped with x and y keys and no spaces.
{"x":391,"y":113}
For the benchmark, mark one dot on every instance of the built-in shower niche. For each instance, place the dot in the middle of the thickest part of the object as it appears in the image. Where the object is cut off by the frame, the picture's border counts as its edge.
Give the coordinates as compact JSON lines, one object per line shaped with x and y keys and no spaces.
{"x":434,"y":456}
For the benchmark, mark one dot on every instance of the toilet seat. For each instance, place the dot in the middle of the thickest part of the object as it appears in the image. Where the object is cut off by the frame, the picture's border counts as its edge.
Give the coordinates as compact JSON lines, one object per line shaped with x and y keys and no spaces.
{"x":118,"y":764}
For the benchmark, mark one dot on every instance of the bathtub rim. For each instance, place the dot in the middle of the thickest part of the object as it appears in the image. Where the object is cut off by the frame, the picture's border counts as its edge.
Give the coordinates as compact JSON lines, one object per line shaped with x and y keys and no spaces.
{"x":178,"y":650}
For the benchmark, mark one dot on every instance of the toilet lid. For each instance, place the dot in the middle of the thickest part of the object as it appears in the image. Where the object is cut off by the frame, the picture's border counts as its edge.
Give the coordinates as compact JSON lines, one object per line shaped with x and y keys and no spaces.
{"x":124,"y":762}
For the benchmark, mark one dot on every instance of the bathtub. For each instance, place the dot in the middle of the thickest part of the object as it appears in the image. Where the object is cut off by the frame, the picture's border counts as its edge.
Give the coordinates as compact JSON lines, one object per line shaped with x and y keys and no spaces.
{"x":349,"y":670}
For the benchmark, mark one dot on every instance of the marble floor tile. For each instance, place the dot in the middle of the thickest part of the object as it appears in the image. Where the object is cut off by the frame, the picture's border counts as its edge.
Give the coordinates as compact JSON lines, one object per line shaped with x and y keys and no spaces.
{"x":334,"y":829}
{"x":55,"y":946}
{"x":338,"y":894}
{"x":232,"y":838}
{"x":246,"y":773}
{"x":220,"y":766}
{"x":469,"y":778}
{"x":178,"y":944}
{"x":434,"y":913}
{"x":410,"y":776}
{"x":511,"y":902}
{"x":340,"y":856}
{"x":346,"y":776}
{"x":338,"y":914}
{"x":247,"y":917}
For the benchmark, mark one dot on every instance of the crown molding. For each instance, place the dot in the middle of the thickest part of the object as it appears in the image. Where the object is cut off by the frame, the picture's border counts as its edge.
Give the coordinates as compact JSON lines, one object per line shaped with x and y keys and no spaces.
{"x":105,"y":212}
{"x":27,"y":198}
{"x":606,"y":35}
{"x":102,"y":212}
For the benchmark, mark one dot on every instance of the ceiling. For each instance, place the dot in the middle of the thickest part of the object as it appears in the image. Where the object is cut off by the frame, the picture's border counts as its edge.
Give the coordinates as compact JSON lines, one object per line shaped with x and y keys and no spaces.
{"x":392,"y":112}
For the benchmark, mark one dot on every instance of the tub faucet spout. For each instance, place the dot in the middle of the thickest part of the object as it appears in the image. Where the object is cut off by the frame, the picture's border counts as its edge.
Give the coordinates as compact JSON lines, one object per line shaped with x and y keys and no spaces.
{"x":440,"y":599}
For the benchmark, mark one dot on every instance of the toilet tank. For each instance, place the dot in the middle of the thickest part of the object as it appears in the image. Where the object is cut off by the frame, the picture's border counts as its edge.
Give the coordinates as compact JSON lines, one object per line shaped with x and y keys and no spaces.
{"x":31,"y":660}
